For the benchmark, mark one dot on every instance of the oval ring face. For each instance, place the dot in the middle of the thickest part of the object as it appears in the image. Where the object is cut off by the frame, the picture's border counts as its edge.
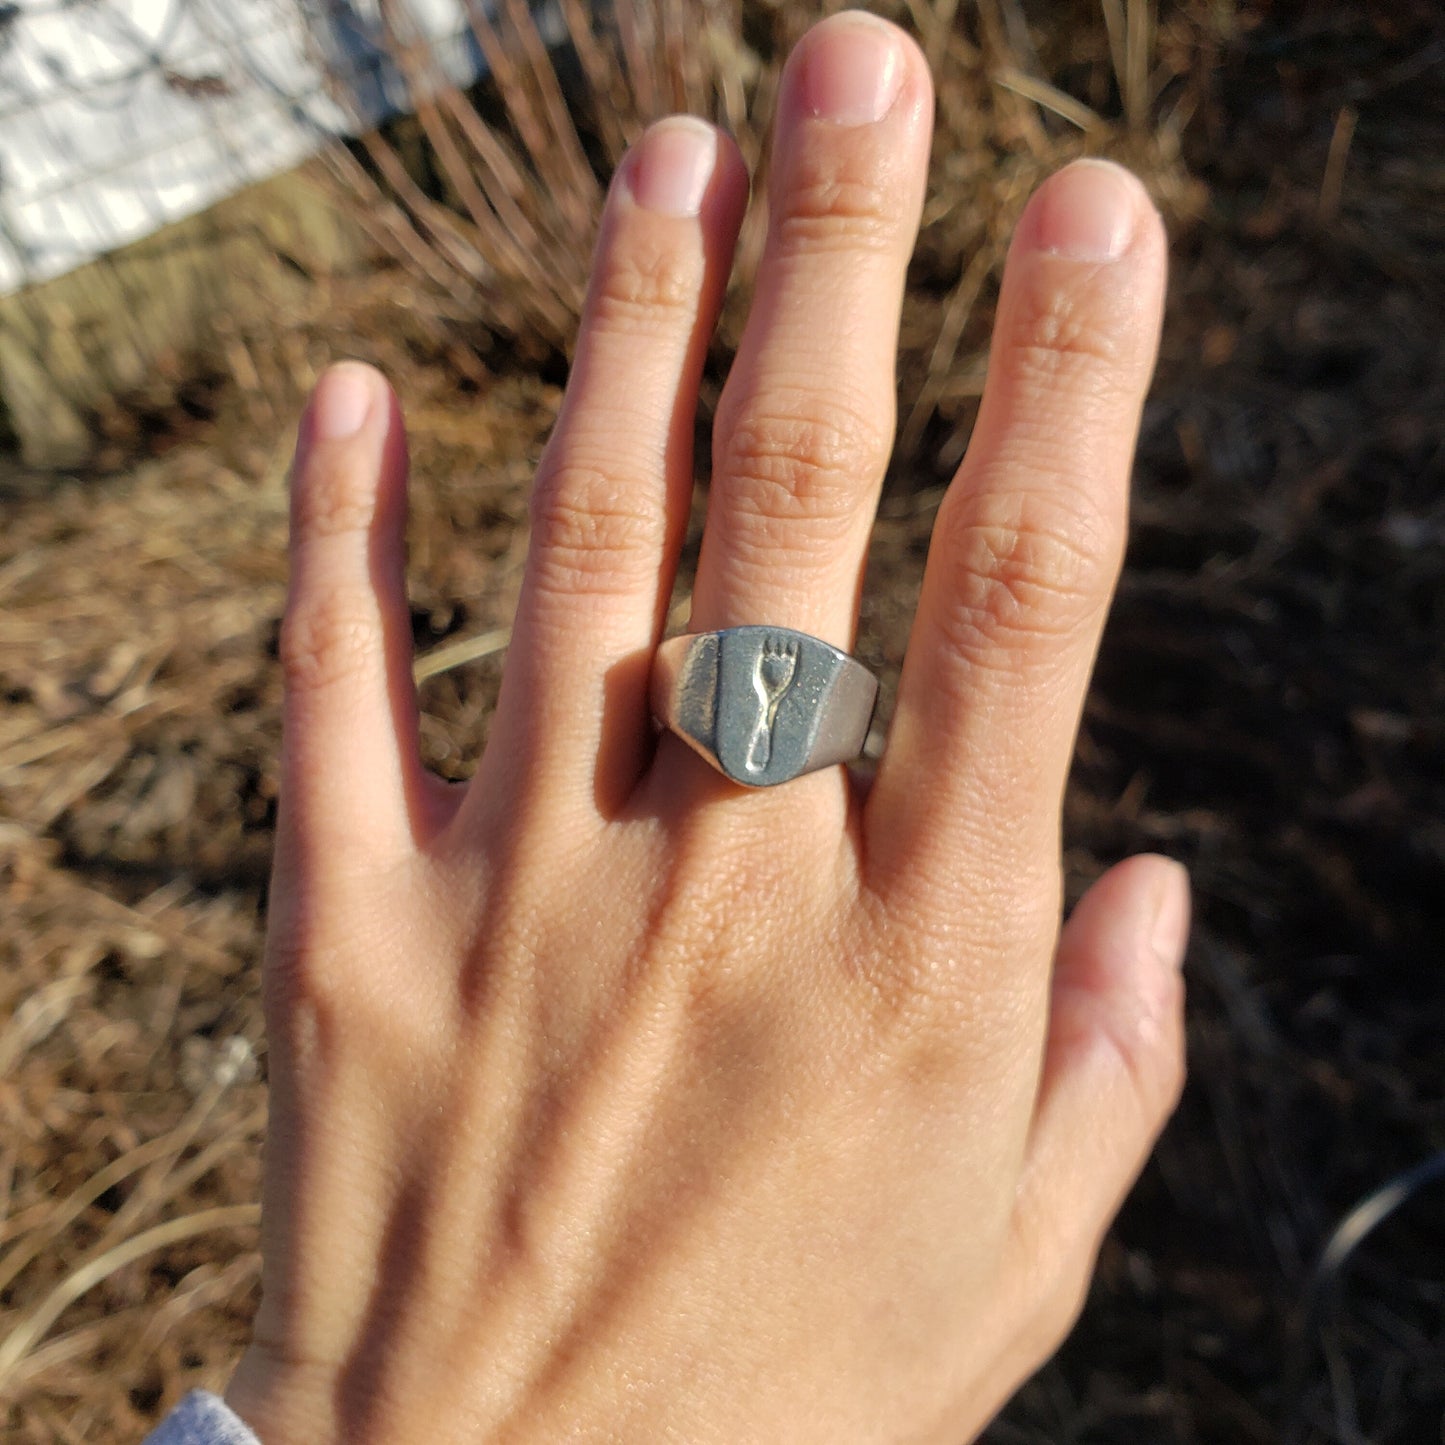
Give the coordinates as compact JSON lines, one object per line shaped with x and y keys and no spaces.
{"x":764,"y":705}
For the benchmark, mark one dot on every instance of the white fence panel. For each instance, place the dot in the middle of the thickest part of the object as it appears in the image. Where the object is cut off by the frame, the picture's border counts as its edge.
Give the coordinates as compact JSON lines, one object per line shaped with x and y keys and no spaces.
{"x":118,"y":116}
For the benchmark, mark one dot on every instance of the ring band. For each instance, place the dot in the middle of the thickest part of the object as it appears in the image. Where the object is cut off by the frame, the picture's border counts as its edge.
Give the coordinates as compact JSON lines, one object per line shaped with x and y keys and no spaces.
{"x":763,"y":705}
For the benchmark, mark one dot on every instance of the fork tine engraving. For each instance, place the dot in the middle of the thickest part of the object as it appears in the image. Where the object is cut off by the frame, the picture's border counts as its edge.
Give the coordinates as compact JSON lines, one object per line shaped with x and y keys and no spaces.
{"x":763,"y":705}
{"x":773,"y":675}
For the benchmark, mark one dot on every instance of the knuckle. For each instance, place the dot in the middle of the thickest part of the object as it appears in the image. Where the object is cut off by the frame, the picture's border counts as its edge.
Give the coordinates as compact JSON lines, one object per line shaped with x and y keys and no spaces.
{"x":327,"y":639}
{"x":1059,"y":335}
{"x":301,"y":975}
{"x":837,"y":201}
{"x":329,"y":1008}
{"x":1022,"y":567}
{"x":335,"y":498}
{"x":807,"y":464}
{"x":589,"y":530}
{"x":1143,"y":1041}
{"x":338,"y":970}
{"x":645,"y":283}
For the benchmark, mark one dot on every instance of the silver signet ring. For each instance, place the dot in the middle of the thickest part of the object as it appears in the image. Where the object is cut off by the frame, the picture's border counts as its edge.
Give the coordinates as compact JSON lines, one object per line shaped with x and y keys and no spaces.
{"x":763,"y":705}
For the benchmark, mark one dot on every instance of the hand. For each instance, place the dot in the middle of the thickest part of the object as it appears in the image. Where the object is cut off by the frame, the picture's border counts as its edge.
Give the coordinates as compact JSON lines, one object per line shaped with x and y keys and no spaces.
{"x":611,"y":1101}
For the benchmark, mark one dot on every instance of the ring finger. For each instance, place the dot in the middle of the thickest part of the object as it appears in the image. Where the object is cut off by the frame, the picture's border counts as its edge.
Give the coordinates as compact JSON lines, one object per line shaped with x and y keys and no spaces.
{"x":806,"y":420}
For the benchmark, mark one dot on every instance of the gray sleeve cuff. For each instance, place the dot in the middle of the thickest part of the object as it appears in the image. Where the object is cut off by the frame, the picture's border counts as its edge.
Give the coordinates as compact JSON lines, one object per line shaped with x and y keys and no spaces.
{"x":201,"y":1419}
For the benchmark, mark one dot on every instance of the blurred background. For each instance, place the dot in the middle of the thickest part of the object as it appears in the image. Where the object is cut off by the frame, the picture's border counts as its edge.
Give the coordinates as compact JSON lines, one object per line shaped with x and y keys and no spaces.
{"x":201,"y":203}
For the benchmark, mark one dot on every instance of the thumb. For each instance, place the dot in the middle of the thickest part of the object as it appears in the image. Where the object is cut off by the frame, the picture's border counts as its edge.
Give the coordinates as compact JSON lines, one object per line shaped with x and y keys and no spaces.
{"x":1113,"y":1069}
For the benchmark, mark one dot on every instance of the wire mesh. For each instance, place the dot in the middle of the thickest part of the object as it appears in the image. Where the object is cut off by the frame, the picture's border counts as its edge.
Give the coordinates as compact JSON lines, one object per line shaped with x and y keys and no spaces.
{"x":119,"y":116}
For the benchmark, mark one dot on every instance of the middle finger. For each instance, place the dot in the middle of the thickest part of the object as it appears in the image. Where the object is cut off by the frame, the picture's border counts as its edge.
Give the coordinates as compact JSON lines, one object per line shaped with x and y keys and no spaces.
{"x":805,"y":424}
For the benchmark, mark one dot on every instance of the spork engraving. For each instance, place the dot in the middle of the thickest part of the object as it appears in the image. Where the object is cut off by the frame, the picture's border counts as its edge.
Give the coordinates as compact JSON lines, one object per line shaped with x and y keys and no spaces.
{"x":773,"y":675}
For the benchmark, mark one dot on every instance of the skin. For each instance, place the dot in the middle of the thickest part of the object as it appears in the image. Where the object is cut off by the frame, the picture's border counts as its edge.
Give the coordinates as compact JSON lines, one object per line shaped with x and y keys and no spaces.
{"x":610,"y":1100}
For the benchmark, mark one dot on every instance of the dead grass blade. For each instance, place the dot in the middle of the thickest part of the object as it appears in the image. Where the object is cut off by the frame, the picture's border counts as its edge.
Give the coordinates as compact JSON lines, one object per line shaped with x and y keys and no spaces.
{"x":18,"y":1342}
{"x":940,"y":364}
{"x":160,"y":1179}
{"x":1333,"y":181}
{"x":1130,"y":24}
{"x":1049,"y":97}
{"x":457,"y":654}
{"x":523,"y":192}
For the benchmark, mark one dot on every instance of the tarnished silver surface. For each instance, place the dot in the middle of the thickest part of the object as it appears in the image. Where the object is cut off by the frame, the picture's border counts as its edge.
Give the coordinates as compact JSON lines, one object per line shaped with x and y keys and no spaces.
{"x":763,"y":704}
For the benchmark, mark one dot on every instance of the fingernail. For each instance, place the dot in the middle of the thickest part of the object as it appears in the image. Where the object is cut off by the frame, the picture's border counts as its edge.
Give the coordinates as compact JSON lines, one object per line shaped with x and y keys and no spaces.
{"x":852,"y":69}
{"x":672,"y":166}
{"x":1169,"y":933}
{"x":341,"y":401}
{"x":1088,"y":212}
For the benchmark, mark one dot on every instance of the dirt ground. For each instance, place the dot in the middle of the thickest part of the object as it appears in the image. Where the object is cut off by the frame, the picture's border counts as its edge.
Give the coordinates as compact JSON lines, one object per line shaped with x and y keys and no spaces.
{"x":1269,"y":707}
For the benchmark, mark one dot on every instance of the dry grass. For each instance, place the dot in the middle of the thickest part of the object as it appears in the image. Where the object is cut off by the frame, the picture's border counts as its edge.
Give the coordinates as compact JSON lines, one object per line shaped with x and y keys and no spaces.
{"x":1248,"y":718}
{"x":494,"y":223}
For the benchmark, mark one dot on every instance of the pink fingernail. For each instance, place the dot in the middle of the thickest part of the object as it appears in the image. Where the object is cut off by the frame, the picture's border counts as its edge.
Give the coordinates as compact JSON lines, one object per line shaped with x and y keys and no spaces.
{"x":672,"y":166}
{"x":1089,"y":211}
{"x":342,"y":401}
{"x":852,"y":69}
